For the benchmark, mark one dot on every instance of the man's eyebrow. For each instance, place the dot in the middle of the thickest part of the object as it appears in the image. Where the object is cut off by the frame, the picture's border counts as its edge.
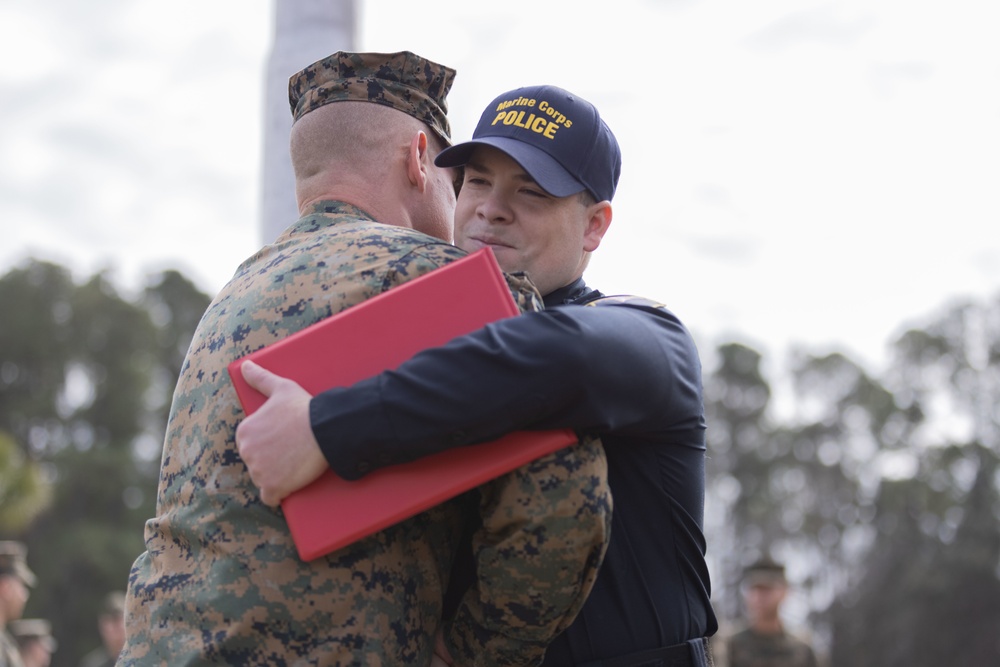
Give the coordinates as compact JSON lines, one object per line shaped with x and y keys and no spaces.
{"x":477,"y":166}
{"x":522,"y":175}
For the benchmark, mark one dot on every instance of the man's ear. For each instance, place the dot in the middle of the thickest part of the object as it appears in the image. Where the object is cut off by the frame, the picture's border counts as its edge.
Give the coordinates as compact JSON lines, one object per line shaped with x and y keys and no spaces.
{"x":598,"y":221}
{"x":417,"y":160}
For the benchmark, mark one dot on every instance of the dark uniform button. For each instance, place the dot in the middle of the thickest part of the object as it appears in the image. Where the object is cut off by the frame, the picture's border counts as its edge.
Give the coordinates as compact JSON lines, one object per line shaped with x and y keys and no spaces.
{"x":363,"y":466}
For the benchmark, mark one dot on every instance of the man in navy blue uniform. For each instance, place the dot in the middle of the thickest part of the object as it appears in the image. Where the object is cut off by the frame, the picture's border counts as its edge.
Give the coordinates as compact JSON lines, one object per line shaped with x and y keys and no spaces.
{"x":539,"y":176}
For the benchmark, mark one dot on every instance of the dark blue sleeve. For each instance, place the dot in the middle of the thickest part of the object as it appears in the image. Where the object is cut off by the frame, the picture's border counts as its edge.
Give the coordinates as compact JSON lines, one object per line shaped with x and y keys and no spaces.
{"x":628,"y":370}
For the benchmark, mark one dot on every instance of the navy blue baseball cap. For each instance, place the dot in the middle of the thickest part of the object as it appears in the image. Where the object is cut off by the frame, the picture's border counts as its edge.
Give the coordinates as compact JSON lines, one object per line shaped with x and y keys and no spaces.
{"x":556,"y":136}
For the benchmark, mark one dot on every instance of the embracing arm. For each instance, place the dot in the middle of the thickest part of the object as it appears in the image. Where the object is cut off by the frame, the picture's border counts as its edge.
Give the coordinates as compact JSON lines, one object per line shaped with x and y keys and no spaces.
{"x":616,"y":368}
{"x":545,"y":527}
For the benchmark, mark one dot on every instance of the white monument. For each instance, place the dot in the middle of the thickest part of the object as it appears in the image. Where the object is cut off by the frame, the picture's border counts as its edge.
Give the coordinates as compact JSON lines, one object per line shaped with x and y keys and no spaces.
{"x":304,"y":32}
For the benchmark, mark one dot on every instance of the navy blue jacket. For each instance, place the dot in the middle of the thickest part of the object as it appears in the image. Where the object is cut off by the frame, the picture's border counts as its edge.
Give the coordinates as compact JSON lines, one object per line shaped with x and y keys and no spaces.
{"x":627,"y":372}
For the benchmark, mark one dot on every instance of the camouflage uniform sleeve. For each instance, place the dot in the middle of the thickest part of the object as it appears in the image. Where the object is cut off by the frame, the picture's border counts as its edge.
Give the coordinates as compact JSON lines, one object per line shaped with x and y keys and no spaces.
{"x":524,"y":292}
{"x":545,"y":530}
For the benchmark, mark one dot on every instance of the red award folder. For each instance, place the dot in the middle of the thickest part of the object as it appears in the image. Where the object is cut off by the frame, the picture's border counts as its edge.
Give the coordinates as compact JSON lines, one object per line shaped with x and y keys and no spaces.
{"x":373,"y":336}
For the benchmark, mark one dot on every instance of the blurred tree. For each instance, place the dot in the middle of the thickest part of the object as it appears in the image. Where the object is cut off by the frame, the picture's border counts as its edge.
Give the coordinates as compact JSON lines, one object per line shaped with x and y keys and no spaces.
{"x":880,"y":493}
{"x":929,"y":593}
{"x":176,"y":306}
{"x":23,"y":491}
{"x":86,"y":381}
{"x":847,"y":427}
{"x":801,"y":491}
{"x":737,"y":398}
{"x":36,"y":345}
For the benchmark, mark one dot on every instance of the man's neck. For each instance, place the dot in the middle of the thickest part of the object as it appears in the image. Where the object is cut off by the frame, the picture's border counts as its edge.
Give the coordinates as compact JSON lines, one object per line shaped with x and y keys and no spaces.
{"x":566,"y":294}
{"x":768,"y":626}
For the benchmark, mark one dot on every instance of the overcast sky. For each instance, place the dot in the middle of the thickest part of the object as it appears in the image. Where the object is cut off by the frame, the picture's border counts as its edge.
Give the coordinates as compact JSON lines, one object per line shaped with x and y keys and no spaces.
{"x":795,"y":171}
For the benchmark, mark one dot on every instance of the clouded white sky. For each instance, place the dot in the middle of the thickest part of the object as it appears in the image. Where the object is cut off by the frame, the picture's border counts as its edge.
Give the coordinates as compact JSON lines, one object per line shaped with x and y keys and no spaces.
{"x":808,"y":172}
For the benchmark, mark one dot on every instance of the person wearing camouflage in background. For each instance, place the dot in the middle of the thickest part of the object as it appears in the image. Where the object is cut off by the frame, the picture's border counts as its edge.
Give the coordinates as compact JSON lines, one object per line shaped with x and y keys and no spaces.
{"x":765,"y":642}
{"x":15,"y":581}
{"x":111,"y":628}
{"x":220,"y":581}
{"x":34,"y":640}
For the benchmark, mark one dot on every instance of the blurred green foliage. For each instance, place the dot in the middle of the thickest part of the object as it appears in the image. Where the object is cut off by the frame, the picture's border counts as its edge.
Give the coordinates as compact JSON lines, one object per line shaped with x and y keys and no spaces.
{"x":86,"y":376}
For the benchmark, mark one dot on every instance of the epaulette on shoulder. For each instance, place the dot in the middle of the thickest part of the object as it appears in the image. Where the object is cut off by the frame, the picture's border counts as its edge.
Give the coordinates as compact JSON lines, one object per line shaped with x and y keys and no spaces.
{"x":627,"y":300}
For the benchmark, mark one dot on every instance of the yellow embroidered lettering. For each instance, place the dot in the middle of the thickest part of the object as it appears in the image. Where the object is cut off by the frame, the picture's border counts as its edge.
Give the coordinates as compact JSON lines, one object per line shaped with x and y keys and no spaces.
{"x":519,"y":102}
{"x":552,"y":112}
{"x":529,"y":121}
{"x":526,"y":124}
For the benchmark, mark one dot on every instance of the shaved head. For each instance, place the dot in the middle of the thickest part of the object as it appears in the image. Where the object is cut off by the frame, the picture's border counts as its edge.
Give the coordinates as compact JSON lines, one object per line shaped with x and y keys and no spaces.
{"x":360,"y":138}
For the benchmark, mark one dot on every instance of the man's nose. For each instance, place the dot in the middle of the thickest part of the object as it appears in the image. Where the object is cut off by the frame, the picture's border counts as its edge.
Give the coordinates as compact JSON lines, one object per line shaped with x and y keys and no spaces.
{"x":495,"y":208}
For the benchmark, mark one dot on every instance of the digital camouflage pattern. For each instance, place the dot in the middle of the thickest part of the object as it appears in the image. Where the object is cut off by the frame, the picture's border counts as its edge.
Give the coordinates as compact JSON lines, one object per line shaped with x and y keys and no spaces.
{"x":534,"y":581}
{"x":221,"y":582}
{"x":404,"y":81}
{"x":752,"y":649}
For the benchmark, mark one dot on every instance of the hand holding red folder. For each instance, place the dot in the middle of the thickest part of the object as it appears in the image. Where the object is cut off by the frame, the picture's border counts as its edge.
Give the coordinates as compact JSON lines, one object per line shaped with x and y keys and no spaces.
{"x":364,"y":340}
{"x":277,"y":472}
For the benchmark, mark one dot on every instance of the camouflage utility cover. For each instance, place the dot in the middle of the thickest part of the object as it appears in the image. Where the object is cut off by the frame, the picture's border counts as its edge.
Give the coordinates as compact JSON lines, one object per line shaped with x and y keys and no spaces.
{"x":404,"y":81}
{"x":221,"y":582}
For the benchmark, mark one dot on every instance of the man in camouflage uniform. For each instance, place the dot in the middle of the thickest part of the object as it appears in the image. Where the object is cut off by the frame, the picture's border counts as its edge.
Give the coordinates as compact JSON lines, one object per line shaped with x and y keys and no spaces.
{"x":15,"y":579}
{"x":220,"y":581}
{"x":34,"y":640}
{"x":111,"y":628}
{"x":765,"y":643}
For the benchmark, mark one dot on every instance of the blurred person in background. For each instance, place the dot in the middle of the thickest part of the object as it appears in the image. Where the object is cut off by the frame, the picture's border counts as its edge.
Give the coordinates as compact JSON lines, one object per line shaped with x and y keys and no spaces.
{"x":34,"y":641}
{"x":765,"y":642}
{"x":15,"y":581}
{"x":111,"y":627}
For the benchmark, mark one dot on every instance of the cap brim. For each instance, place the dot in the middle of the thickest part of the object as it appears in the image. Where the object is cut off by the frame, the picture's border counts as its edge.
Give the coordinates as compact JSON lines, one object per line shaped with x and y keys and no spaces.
{"x":764,"y":579}
{"x":543,"y":169}
{"x":26,"y":575}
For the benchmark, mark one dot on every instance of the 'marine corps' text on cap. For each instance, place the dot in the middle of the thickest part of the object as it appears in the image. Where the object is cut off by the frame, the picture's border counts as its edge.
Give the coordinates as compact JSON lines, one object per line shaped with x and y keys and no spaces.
{"x":547,"y":127}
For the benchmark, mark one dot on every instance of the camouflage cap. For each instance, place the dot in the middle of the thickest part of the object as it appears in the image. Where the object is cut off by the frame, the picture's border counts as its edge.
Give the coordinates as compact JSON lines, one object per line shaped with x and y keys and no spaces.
{"x":32,"y":629}
{"x":113,"y":604}
{"x":13,"y":561}
{"x":403,"y":80}
{"x":764,"y":572}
